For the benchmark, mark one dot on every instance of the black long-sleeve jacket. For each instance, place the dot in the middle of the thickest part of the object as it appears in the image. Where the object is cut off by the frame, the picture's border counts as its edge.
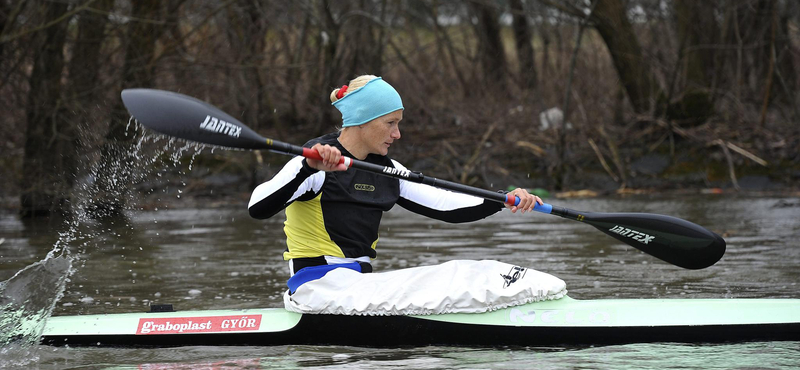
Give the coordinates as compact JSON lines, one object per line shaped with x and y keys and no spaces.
{"x":338,"y":213}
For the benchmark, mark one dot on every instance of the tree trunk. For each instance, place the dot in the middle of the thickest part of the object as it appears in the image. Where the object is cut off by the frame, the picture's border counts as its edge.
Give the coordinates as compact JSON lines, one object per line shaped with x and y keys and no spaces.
{"x":698,"y":28}
{"x":247,"y":32}
{"x":140,"y":54}
{"x":442,"y":39}
{"x":490,"y":46}
{"x":611,"y":22}
{"x":117,"y":170}
{"x":376,"y":60}
{"x":85,"y":64}
{"x":5,"y":10}
{"x":696,"y":24}
{"x":329,"y":67}
{"x":48,"y":170}
{"x":523,"y":42}
{"x":786,"y":63}
{"x":545,"y":66}
{"x":366,"y":37}
{"x":749,"y":49}
{"x":294,"y":72}
{"x":83,"y":90}
{"x":360,"y":32}
{"x":749,"y":35}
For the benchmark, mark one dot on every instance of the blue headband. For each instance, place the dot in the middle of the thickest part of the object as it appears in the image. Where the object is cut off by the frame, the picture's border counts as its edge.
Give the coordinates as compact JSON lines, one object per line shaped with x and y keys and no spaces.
{"x":376,"y":98}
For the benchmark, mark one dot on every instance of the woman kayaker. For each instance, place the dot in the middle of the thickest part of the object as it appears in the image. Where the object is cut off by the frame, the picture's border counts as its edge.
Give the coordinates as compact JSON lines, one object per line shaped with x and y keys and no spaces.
{"x":333,"y":215}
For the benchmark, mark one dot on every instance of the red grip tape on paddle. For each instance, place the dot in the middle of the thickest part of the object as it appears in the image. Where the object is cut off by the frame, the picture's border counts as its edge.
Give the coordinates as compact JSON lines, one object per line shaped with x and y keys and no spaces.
{"x":512,"y":200}
{"x":313,"y":154}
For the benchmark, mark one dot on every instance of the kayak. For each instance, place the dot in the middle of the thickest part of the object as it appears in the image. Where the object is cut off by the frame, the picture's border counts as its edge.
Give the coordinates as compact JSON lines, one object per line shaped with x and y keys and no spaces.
{"x":560,"y":322}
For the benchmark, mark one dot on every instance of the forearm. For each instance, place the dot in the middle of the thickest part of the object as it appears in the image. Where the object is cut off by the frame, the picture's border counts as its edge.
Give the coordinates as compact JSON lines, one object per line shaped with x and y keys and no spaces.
{"x":469,"y":212}
{"x":294,"y":180}
{"x":443,"y":204}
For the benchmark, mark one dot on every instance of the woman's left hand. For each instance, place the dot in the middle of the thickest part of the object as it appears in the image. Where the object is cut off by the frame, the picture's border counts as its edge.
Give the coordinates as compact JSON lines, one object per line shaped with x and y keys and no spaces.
{"x":526,"y":201}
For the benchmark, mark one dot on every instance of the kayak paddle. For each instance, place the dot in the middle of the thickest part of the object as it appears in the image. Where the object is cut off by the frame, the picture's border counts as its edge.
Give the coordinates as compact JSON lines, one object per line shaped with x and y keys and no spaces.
{"x":674,"y":240}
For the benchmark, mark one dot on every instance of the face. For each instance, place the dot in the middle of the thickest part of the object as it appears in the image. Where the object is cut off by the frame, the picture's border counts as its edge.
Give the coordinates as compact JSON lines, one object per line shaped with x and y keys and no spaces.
{"x":379,"y":134}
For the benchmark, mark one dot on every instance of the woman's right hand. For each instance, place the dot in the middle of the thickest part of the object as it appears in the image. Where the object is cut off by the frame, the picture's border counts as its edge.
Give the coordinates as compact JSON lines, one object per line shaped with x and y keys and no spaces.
{"x":331,"y":156}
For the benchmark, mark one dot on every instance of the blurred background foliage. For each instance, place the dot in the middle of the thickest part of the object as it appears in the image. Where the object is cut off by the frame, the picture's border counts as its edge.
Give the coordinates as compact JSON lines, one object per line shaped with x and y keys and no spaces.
{"x":598,"y":94}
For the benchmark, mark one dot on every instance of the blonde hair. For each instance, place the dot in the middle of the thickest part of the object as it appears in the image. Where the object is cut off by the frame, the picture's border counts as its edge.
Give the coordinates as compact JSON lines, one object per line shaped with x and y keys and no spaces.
{"x":354,"y":85}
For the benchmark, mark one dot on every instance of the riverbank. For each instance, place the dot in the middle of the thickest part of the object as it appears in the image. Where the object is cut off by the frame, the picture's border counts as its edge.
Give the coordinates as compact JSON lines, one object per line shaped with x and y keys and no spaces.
{"x":226,"y":177}
{"x":219,"y":198}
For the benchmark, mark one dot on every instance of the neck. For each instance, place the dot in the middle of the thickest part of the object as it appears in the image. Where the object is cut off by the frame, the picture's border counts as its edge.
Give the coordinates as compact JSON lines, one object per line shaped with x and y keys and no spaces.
{"x":350,"y":141}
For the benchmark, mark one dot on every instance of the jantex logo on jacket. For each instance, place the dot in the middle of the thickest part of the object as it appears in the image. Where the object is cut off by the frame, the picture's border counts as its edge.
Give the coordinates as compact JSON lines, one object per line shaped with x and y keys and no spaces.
{"x":199,"y":324}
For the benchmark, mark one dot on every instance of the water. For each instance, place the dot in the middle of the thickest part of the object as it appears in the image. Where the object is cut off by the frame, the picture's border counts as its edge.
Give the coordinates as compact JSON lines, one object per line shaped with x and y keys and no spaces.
{"x":217,"y":257}
{"x":782,"y":355}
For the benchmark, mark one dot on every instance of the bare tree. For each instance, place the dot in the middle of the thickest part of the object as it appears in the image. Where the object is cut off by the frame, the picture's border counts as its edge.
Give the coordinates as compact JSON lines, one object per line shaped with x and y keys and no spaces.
{"x":329,"y":64}
{"x":611,"y":21}
{"x":83,"y":89}
{"x":446,"y":48}
{"x":698,"y":32}
{"x":524,"y":43}
{"x":367,"y":32}
{"x":49,"y":160}
{"x":652,"y":70}
{"x":246,"y":30}
{"x":490,"y":45}
{"x":5,"y":14}
{"x":116,"y":169}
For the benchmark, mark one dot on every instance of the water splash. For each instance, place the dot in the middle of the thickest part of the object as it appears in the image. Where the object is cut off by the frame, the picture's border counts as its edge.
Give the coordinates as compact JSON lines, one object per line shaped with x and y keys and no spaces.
{"x":26,"y":301}
{"x":28,"y":298}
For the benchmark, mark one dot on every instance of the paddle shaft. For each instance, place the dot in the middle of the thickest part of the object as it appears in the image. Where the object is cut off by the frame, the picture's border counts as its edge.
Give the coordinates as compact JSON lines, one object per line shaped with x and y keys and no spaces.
{"x":671,"y":239}
{"x":412,"y":176}
{"x":417,"y":177}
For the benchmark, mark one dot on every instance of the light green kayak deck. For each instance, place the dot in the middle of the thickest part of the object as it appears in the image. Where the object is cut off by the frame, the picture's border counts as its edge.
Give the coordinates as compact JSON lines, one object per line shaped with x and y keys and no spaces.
{"x":564,"y":312}
{"x":568,"y":312}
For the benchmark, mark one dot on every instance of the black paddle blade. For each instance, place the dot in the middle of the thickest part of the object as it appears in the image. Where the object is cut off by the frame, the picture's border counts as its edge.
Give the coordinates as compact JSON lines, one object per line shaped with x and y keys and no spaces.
{"x":188,"y":118}
{"x":671,"y":239}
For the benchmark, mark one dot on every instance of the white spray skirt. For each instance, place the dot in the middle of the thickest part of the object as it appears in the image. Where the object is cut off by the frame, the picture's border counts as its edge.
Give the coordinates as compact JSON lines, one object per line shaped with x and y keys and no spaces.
{"x":459,"y":286}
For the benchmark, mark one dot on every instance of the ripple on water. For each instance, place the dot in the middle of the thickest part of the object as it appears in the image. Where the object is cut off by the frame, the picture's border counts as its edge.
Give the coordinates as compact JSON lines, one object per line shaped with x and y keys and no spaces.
{"x":761,"y":262}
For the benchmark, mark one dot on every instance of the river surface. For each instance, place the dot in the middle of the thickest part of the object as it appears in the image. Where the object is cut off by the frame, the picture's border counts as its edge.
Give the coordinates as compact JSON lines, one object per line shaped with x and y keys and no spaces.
{"x":215,"y":257}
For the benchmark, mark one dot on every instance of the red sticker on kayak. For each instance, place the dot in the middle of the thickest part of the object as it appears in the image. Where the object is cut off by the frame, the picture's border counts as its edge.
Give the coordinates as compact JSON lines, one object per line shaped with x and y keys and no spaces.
{"x":198,"y":324}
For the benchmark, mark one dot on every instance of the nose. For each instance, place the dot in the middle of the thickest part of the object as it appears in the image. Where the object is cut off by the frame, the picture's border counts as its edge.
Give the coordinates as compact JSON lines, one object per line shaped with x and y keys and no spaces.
{"x":395,"y":133}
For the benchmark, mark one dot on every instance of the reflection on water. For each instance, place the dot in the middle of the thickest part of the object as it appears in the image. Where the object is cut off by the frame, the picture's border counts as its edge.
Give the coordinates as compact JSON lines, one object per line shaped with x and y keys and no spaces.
{"x":758,"y":355}
{"x":220,"y":258}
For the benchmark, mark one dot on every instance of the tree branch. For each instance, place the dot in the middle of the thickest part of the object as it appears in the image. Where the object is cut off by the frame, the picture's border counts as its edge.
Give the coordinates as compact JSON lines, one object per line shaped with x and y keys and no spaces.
{"x":566,"y":8}
{"x":4,"y":39}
